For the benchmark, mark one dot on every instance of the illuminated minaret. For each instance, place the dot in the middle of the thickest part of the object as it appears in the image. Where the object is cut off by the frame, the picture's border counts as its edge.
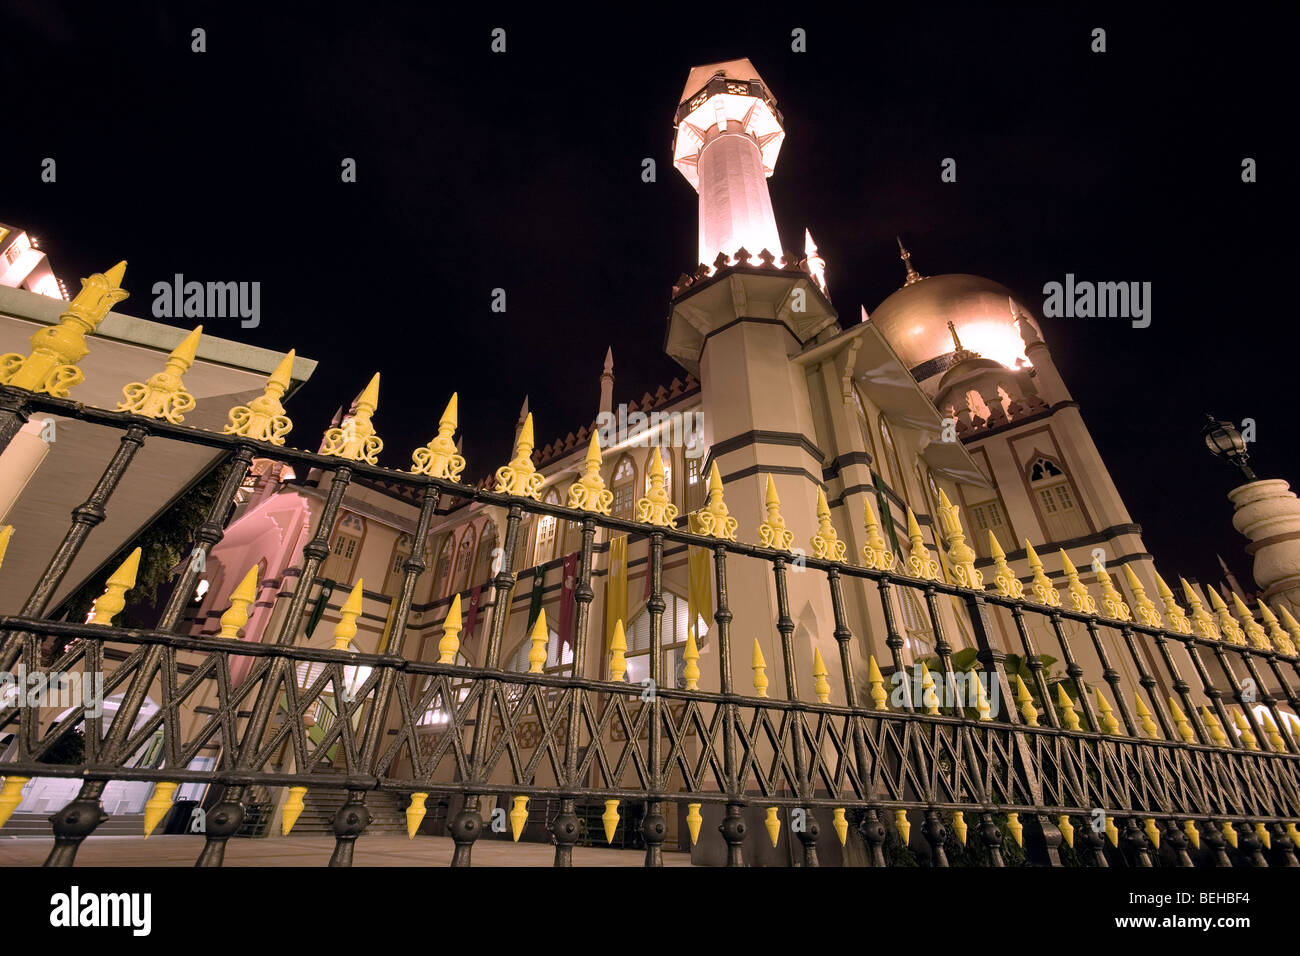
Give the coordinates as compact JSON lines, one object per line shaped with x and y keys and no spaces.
{"x":728,"y":136}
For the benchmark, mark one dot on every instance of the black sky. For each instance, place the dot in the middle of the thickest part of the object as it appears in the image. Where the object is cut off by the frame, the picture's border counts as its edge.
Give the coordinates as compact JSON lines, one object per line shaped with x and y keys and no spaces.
{"x":522,"y":171}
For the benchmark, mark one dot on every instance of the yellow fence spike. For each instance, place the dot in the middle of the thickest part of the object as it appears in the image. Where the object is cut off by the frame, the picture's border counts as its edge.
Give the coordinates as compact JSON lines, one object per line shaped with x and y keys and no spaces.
{"x":959,"y":826}
{"x":1230,"y":833}
{"x":982,"y":708}
{"x":1112,"y":832}
{"x":52,"y":366}
{"x":772,"y":532}
{"x":656,"y":507}
{"x":518,"y":817}
{"x":346,"y":628}
{"x":1202,"y":623}
{"x":1067,"y":829}
{"x":236,"y":616}
{"x":355,"y":438}
{"x":875,"y":553}
{"x":415,"y":814}
{"x":1152,"y":831}
{"x":589,"y":493}
{"x":1291,"y":832}
{"x":164,"y":394}
{"x":877,"y":682}
{"x":1228,"y":627}
{"x":1181,"y":722}
{"x":760,"y":670}
{"x":960,"y":555}
{"x":691,"y":661}
{"x":610,"y":818}
{"x":519,"y":477}
{"x":1066,"y":706}
{"x":1177,"y":619}
{"x":1041,"y":586}
{"x":109,"y":604}
{"x":6,"y":532}
{"x":539,"y":639}
{"x":1193,"y":834}
{"x":1275,"y":741}
{"x":826,"y":544}
{"x":820,"y":684}
{"x":773,"y":825}
{"x":903,"y":826}
{"x":1004,"y":578}
{"x":292,"y":809}
{"x":929,"y":697}
{"x":158,"y":805}
{"x":1106,"y":716}
{"x":919,"y":562}
{"x":1262,"y":833}
{"x":439,"y":458}
{"x":11,"y":795}
{"x":1215,"y":729}
{"x":1112,"y":602}
{"x":1144,"y":608}
{"x":1026,"y":702}
{"x":1255,"y":634}
{"x":1279,"y":638}
{"x":449,"y":644}
{"x":263,"y":419}
{"x":714,"y":520}
{"x":617,"y":650}
{"x":1080,"y":599}
{"x":1292,"y":628}
{"x":1243,"y":730}
{"x":1016,"y":828}
{"x":841,"y":825}
{"x":1149,"y":726}
{"x":693,"y":821}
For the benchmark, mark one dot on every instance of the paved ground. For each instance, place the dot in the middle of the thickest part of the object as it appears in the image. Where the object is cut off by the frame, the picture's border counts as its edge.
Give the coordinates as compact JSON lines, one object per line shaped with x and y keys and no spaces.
{"x":378,"y":850}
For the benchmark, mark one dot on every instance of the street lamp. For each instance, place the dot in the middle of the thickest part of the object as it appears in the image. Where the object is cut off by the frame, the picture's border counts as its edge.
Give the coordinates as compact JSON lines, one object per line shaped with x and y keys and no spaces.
{"x":1224,"y":441}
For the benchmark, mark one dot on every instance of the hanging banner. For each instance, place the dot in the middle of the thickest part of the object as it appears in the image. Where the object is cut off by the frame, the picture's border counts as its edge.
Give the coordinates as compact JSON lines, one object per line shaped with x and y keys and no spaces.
{"x":616,"y":585}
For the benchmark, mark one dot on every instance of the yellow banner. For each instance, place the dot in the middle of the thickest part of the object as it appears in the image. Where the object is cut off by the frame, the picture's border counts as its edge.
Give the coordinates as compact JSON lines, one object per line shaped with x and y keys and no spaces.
{"x":616,"y":586}
{"x":700,"y":592}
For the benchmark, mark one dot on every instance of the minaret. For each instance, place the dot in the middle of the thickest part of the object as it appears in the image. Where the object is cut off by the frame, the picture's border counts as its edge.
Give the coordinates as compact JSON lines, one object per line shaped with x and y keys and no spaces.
{"x":728,"y":136}
{"x":607,"y":383}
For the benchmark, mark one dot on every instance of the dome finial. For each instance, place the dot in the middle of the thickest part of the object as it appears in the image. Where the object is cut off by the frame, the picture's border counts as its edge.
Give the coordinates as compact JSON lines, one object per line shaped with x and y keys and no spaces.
{"x":959,"y":354}
{"x":912,"y":275}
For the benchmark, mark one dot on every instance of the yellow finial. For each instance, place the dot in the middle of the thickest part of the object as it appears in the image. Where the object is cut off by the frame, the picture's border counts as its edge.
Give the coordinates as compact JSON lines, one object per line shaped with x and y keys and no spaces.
{"x":1243,"y":730}
{"x":109,"y":604}
{"x":451,"y":627}
{"x":56,"y":350}
{"x":1193,"y":834}
{"x":919,"y":562}
{"x":1026,"y":702}
{"x":772,"y":533}
{"x":6,"y":532}
{"x":1083,"y":602}
{"x":875,"y":553}
{"x":518,"y":817}
{"x":1280,"y":639}
{"x":826,"y":543}
{"x":1202,"y":622}
{"x":415,"y":814}
{"x":293,"y":808}
{"x":1177,"y":619}
{"x":610,"y":818}
{"x":877,"y":682}
{"x":1016,"y":828}
{"x":1149,"y":726}
{"x":1275,"y":741}
{"x":589,"y":493}
{"x":1044,"y":592}
{"x":773,"y":825}
{"x":11,"y":795}
{"x":1214,"y":728}
{"x":1230,"y":833}
{"x":929,"y":697}
{"x":820,"y":684}
{"x":656,"y":507}
{"x":960,"y":554}
{"x":982,"y":708}
{"x":1105,"y":716}
{"x":1230,"y":629}
{"x":1145,"y":609}
{"x":691,"y":657}
{"x":1294,"y":834}
{"x":1066,"y":706}
{"x":959,"y":826}
{"x":693,"y":821}
{"x":1112,"y":831}
{"x":236,"y":615}
{"x":539,"y":639}
{"x":164,"y":394}
{"x":1008,"y":584}
{"x":1152,"y":832}
{"x":903,"y":825}
{"x":158,"y":805}
{"x":617,"y":649}
{"x":1067,"y":829}
{"x":760,"y":671}
{"x":519,"y":477}
{"x":713,"y":519}
{"x":1112,"y":601}
{"x":1257,"y":636}
{"x":346,"y":628}
{"x":439,"y":458}
{"x":1293,"y":628}
{"x":263,"y":418}
{"x":840,"y":824}
{"x":355,"y":439}
{"x":1262,"y":833}
{"x":1181,"y":723}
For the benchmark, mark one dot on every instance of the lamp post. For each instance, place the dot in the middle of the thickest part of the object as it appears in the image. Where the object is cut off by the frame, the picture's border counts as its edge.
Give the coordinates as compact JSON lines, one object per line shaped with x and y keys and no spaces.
{"x":1224,"y":441}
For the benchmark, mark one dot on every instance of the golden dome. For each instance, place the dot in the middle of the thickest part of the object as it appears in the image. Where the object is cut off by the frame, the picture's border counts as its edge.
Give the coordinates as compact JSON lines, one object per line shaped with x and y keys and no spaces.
{"x":914,"y":320}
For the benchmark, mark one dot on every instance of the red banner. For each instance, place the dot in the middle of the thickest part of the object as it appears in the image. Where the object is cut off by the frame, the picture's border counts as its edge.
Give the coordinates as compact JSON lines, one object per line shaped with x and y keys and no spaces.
{"x":569,"y":581}
{"x":471,"y":616}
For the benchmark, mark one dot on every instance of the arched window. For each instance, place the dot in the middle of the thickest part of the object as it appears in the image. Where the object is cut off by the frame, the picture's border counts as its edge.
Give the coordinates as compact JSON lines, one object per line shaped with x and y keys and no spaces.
{"x":696,"y":484}
{"x":442,"y":570}
{"x":897,"y":481}
{"x":917,"y":626}
{"x":396,"y":571}
{"x":464,"y":560}
{"x":1057,"y":503}
{"x":345,"y":547}
{"x":984,"y":517}
{"x":557,"y":661}
{"x":672,"y":640}
{"x":624,"y":487}
{"x":864,"y":422}
{"x":544,"y":543}
{"x":487,"y":543}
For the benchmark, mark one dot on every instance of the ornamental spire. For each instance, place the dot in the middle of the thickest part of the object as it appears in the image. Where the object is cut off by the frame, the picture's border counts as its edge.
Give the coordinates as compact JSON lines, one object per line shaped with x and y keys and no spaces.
{"x":773,"y":533}
{"x":519,"y":477}
{"x":875,"y":554}
{"x":960,"y":354}
{"x":656,"y":508}
{"x":164,"y":394}
{"x":263,"y":418}
{"x":440,"y":458}
{"x":826,"y":543}
{"x":355,"y":438}
{"x":919,"y":562}
{"x":713,"y":519}
{"x":589,"y":493}
{"x":913,"y":276}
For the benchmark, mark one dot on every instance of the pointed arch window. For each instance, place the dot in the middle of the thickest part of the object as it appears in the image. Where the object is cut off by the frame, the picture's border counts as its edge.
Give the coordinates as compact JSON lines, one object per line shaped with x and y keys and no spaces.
{"x":897,"y":481}
{"x":442,"y":571}
{"x":917,"y":626}
{"x":396,"y":569}
{"x":624,"y":487}
{"x":464,"y":560}
{"x":1056,"y":500}
{"x":345,"y":547}
{"x":864,"y":423}
{"x":487,"y":543}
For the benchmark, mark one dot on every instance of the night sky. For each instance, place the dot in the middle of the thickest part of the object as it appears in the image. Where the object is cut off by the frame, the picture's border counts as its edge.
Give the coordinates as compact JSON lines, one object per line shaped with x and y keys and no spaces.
{"x":522,"y":171}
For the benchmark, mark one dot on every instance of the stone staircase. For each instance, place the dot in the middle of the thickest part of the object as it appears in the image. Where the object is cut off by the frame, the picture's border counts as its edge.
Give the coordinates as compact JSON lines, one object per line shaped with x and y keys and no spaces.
{"x":37,"y":825}
{"x":387,"y":812}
